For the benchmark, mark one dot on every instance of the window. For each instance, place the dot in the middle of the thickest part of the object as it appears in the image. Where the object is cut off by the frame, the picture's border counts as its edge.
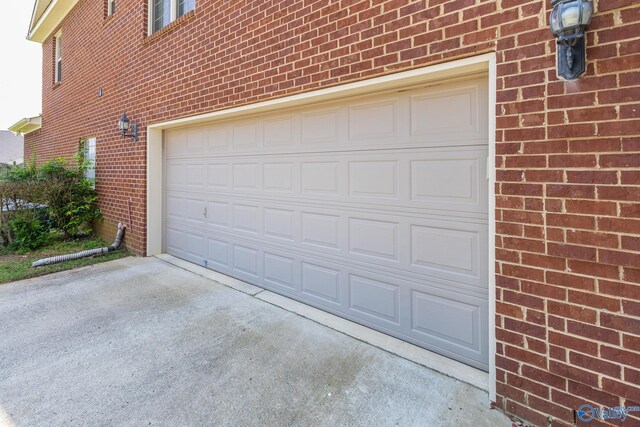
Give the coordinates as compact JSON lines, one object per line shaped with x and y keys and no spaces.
{"x":166,"y":11}
{"x":185,"y":6}
{"x":89,"y":153}
{"x":58,"y":64}
{"x":111,"y":7}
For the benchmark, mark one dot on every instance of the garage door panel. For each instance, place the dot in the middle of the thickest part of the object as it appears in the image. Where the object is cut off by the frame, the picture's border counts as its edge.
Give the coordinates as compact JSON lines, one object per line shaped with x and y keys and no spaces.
{"x":428,"y":179}
{"x":320,"y":177}
{"x":176,"y":144}
{"x":280,"y":177}
{"x":458,"y":113}
{"x":282,"y":131}
{"x":218,"y":213}
{"x":218,"y":175}
{"x":343,"y":259}
{"x":280,"y":223}
{"x":218,"y":138}
{"x":175,"y":208}
{"x":175,"y":240}
{"x":372,"y":238}
{"x":218,"y":254}
{"x":446,"y":249}
{"x":246,"y":135}
{"x":321,"y":230}
{"x":374,"y":208}
{"x":280,"y":271}
{"x":374,"y":179}
{"x":245,"y":176}
{"x":196,"y":175}
{"x":450,"y":250}
{"x":320,"y":127}
{"x":321,"y":282}
{"x":196,"y":245}
{"x":245,"y":218}
{"x":376,"y":299}
{"x":374,"y":120}
{"x":246,"y":260}
{"x":176,"y":174}
{"x":456,"y":324}
{"x":444,"y":115}
{"x":454,"y":183}
{"x":194,"y":210}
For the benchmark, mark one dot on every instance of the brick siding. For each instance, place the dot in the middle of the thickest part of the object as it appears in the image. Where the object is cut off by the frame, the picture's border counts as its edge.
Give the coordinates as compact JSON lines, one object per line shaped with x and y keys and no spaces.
{"x":568,"y":153}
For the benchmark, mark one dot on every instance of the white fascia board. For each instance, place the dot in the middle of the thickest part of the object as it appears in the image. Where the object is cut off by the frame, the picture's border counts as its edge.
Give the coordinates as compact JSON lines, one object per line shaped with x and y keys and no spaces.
{"x":50,"y":19}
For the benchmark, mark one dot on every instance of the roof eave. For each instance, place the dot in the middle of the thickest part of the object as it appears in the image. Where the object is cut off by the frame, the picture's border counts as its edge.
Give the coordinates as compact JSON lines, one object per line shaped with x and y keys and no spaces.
{"x":42,"y":26}
{"x":26,"y":125}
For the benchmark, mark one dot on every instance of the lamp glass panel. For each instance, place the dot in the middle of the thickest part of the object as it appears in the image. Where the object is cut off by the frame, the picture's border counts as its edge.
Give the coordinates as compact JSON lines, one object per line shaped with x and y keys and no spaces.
{"x":554,"y":21}
{"x":587,"y":12}
{"x":123,"y":124}
{"x":571,"y":15}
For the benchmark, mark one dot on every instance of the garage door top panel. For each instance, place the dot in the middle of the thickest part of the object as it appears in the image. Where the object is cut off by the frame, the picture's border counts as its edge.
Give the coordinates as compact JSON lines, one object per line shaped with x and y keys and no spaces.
{"x":443,"y":115}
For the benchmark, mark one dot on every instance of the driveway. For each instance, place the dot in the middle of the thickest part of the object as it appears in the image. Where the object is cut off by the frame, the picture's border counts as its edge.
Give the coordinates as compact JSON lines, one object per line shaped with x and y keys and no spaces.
{"x":138,"y":341}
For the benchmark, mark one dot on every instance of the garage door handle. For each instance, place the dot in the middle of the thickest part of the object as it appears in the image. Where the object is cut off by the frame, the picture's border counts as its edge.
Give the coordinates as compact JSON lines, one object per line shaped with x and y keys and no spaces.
{"x":204,"y":212}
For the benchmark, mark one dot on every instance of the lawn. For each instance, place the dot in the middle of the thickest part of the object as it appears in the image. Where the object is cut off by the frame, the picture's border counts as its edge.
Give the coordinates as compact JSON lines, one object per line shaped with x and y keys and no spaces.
{"x":18,"y":266}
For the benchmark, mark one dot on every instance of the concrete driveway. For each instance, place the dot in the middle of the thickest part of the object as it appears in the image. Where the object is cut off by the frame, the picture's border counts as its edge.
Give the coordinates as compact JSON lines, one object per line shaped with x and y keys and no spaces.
{"x":138,"y":341}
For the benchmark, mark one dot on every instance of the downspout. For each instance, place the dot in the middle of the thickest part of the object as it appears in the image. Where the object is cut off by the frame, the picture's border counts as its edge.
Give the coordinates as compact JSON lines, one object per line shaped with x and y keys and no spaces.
{"x":84,"y":254}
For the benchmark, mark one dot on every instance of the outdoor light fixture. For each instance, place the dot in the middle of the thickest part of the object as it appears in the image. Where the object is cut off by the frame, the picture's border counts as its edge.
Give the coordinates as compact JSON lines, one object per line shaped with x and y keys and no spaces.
{"x":123,"y":125}
{"x":569,"y":20}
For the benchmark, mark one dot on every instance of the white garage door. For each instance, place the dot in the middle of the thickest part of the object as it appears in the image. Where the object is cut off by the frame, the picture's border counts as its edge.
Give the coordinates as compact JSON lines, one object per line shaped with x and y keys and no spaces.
{"x":372,"y":208}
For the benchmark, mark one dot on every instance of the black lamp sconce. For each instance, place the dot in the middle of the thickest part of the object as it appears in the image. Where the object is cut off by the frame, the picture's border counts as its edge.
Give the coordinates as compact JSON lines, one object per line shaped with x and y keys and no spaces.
{"x":569,"y":20}
{"x":124,"y":124}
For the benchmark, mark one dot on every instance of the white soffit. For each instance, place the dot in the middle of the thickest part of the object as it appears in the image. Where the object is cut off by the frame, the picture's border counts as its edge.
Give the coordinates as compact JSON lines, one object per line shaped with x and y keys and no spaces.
{"x":47,"y":18}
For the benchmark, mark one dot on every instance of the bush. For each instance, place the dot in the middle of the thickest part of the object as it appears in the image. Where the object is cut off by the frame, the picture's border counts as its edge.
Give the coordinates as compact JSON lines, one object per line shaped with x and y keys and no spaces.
{"x":71,"y":199}
{"x":37,"y":198}
{"x":29,"y":231}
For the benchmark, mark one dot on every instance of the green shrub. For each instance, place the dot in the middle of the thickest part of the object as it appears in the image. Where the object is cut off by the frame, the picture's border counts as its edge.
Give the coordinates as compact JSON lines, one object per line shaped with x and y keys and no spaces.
{"x":20,"y":192}
{"x":71,"y":199}
{"x":55,"y":194}
{"x":29,"y":231}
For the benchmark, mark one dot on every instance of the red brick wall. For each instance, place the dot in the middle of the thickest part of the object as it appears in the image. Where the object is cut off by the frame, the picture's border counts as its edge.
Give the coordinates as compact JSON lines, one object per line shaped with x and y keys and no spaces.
{"x":568,"y":153}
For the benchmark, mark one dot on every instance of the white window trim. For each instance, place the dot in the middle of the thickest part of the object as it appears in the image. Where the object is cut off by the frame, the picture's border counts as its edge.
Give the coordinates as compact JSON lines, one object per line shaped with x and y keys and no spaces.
{"x":173,"y":15}
{"x":58,"y":57}
{"x":110,"y":7}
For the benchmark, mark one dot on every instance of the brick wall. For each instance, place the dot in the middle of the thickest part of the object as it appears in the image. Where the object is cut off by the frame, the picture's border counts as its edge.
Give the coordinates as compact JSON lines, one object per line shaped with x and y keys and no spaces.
{"x":568,"y":153}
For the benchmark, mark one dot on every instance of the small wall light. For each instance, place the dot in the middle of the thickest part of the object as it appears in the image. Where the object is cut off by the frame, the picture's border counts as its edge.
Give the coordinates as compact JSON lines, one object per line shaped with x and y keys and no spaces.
{"x":123,"y":125}
{"x":569,"y":20}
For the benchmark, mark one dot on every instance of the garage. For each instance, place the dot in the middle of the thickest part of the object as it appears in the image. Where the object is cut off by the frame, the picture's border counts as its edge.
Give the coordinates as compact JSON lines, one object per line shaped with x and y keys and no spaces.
{"x":372,"y":207}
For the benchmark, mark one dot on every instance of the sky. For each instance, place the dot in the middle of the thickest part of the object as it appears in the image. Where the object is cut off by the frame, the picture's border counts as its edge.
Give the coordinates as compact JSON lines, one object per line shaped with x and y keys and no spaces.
{"x":20,"y":66}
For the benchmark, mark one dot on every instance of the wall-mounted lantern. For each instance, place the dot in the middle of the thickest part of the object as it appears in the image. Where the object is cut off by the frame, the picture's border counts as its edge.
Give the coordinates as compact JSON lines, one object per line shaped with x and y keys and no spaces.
{"x":569,"y":20}
{"x":123,"y":125}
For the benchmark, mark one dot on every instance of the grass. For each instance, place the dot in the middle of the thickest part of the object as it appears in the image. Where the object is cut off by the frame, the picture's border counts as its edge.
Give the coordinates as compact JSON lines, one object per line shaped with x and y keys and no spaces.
{"x":18,"y":266}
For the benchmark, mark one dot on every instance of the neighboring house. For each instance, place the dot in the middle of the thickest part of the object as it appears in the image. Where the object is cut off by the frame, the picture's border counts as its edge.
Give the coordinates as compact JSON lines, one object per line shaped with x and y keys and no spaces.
{"x":11,"y":148}
{"x":417,"y":167}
